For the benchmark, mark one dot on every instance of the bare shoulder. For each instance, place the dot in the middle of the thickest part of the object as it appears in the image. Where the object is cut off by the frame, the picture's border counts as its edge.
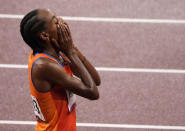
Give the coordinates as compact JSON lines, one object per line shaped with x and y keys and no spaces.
{"x":43,"y":64}
{"x":47,"y":69}
{"x":41,"y":71}
{"x":44,"y":67}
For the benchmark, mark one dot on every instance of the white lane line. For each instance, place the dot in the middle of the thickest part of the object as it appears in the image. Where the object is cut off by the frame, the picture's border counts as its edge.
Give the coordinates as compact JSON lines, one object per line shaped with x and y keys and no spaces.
{"x":100,"y":19}
{"x":11,"y":16}
{"x":18,"y":122}
{"x":142,"y":70}
{"x":13,"y":66}
{"x":102,"y":125}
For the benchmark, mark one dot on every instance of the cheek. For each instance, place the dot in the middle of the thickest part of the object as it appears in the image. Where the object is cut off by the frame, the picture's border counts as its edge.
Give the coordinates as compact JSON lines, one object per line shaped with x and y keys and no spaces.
{"x":53,"y":33}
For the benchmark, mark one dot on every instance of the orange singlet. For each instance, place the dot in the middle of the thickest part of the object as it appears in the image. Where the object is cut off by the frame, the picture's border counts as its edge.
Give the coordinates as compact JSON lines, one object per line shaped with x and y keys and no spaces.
{"x":54,"y":109}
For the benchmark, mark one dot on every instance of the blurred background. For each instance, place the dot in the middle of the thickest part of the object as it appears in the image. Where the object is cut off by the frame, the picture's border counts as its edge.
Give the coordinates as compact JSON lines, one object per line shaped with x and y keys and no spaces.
{"x":136,"y":45}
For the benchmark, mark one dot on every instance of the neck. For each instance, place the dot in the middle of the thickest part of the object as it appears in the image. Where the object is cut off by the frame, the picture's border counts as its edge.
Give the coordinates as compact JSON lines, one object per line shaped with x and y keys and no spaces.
{"x":52,"y":53}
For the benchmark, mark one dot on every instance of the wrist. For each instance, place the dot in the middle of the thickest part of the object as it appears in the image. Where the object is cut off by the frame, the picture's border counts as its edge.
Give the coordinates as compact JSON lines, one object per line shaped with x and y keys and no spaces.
{"x":82,"y":57}
{"x":71,"y":52}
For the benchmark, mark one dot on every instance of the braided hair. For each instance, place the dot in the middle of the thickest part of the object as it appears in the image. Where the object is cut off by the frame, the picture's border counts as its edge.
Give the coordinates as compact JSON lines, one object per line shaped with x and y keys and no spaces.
{"x":30,"y":26}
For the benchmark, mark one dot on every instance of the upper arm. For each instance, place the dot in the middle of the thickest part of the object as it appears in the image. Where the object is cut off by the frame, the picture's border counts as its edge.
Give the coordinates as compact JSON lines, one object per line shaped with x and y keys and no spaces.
{"x":54,"y":74}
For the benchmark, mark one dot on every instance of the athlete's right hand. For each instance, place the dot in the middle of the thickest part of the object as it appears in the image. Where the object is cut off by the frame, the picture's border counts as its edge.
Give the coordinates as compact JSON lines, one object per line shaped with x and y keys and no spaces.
{"x":64,"y":38}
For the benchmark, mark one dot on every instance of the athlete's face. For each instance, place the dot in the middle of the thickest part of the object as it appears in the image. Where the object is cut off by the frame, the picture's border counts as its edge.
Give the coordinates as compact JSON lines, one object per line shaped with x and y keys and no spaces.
{"x":51,"y":23}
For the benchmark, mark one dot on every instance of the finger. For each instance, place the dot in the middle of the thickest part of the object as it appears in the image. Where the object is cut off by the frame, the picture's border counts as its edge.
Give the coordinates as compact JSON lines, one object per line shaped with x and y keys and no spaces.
{"x":69,"y":33}
{"x":65,"y":34}
{"x":59,"y":31}
{"x":60,"y":34}
{"x":61,"y":20}
{"x":68,"y":29}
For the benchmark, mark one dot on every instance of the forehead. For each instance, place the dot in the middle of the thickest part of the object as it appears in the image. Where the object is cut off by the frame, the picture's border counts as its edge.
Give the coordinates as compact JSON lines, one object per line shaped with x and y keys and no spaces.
{"x":45,"y":14}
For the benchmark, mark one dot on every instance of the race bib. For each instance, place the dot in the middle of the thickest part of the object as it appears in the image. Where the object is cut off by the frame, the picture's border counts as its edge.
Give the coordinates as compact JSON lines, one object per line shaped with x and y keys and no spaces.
{"x":37,"y":109}
{"x":71,"y":100}
{"x":71,"y":97}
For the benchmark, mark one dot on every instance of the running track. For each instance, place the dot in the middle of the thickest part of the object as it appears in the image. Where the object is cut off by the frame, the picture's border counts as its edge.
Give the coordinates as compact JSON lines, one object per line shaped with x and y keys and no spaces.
{"x":131,"y":99}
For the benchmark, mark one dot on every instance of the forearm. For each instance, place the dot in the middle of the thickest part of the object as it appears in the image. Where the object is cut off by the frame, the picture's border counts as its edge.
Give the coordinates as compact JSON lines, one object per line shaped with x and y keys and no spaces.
{"x":82,"y":71}
{"x":91,"y":69}
{"x":67,"y":39}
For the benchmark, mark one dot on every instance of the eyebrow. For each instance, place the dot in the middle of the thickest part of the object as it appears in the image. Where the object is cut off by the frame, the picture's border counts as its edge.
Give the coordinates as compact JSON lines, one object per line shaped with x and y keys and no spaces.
{"x":54,"y":16}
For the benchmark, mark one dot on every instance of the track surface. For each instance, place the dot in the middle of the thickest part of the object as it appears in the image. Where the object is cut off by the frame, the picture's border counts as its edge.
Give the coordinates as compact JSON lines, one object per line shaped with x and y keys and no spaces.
{"x":126,"y":98}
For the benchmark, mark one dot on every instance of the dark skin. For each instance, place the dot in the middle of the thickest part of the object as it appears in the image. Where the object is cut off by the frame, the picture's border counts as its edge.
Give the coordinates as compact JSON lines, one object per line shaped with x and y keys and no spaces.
{"x":57,"y":38}
{"x":86,"y":63}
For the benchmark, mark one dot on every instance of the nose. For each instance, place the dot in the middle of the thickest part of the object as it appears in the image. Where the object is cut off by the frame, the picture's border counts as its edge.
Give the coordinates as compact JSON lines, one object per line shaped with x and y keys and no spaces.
{"x":61,"y":20}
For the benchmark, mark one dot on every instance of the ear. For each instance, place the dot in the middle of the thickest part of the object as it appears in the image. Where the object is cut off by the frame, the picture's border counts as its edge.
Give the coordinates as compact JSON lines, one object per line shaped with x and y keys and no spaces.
{"x":44,"y":36}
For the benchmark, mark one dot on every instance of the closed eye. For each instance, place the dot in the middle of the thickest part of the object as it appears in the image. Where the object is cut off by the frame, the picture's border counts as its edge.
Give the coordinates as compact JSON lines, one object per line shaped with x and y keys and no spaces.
{"x":55,"y":19}
{"x":57,"y":22}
